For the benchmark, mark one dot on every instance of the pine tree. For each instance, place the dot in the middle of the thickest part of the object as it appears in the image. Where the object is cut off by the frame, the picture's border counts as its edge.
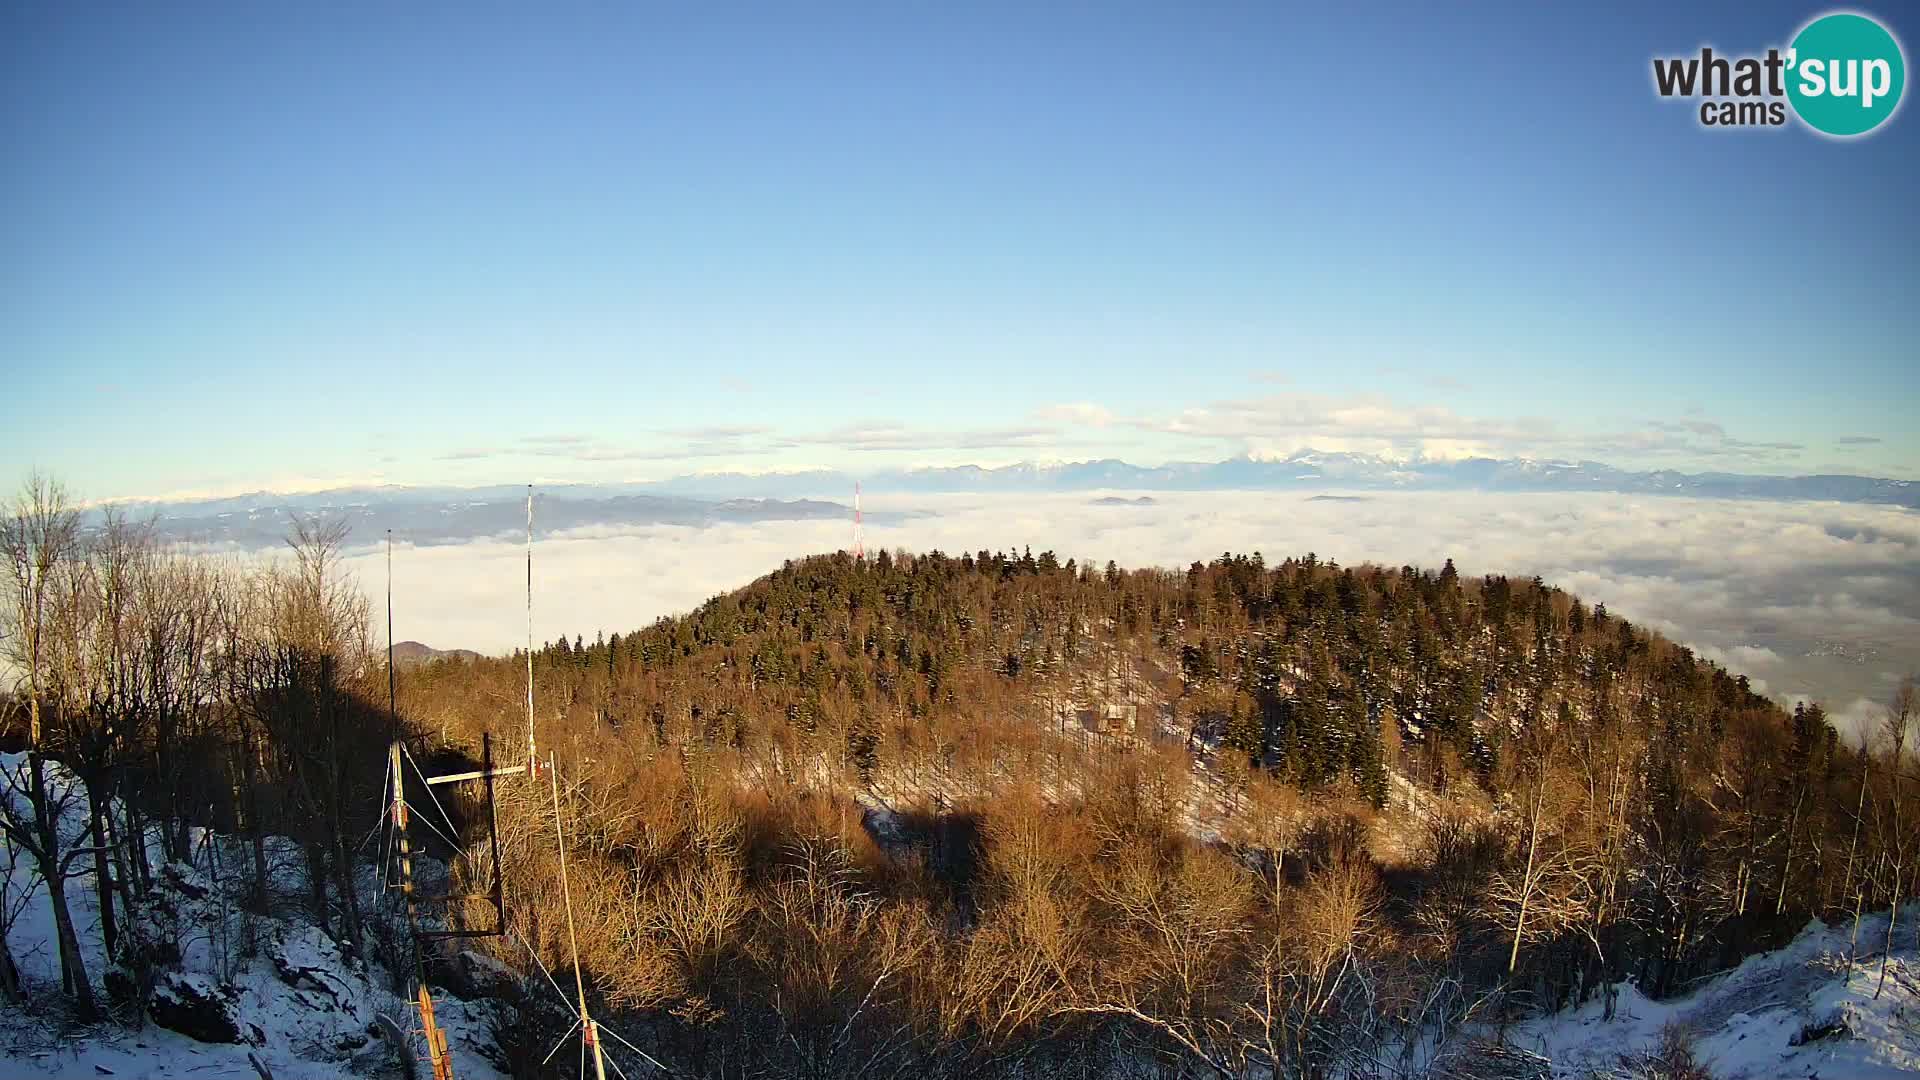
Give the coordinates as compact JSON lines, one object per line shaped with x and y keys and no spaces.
{"x":1246,"y":729}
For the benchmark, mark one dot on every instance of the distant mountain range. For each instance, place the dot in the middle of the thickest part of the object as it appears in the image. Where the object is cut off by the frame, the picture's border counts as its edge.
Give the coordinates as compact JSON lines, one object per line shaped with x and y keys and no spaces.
{"x":1312,"y":469}
{"x":452,"y":515}
{"x":437,"y":515}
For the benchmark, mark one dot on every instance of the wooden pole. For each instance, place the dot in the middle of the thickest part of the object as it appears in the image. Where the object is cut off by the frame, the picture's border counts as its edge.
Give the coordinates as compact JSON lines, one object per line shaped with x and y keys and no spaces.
{"x":587,"y":1029}
{"x":436,"y":1039}
{"x":493,"y":832}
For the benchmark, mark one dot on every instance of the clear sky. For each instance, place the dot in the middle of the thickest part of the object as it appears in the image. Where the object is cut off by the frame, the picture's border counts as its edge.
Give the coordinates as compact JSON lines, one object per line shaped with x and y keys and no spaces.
{"x":247,"y":245}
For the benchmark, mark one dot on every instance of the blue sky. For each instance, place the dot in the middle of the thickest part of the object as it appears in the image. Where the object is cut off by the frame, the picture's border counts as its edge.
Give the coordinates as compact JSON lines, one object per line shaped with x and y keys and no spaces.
{"x":245,"y":245}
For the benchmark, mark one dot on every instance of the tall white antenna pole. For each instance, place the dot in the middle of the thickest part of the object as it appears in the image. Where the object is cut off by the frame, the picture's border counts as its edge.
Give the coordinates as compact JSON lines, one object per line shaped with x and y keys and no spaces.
{"x":533,"y":757}
{"x":859,"y":537}
{"x":393,"y":707}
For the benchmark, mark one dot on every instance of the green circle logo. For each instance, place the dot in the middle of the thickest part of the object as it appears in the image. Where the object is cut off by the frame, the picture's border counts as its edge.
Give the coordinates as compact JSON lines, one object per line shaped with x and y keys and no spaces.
{"x":1845,"y":73}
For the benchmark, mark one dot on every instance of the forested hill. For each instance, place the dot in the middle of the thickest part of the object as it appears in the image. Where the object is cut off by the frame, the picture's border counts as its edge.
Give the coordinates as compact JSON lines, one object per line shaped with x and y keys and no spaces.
{"x":1321,"y":673}
{"x":1547,"y":796}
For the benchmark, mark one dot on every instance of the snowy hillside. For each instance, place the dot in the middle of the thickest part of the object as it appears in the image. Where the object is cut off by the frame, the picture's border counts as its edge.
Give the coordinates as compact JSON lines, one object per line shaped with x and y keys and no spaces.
{"x":1800,"y":1011}
{"x":274,"y":989}
{"x":270,"y":987}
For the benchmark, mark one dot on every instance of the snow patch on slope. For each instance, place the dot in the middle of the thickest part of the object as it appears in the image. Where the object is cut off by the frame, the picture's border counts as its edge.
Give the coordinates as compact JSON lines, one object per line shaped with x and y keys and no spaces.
{"x":297,"y":1003}
{"x":1810,"y":1009}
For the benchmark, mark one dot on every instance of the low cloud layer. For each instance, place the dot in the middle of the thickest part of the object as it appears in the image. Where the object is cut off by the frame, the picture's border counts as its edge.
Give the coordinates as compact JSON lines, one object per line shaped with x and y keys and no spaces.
{"x":1817,"y":600}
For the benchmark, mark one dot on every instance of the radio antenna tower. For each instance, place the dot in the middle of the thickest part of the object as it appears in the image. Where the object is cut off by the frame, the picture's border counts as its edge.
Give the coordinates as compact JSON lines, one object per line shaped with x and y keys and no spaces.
{"x":859,"y":540}
{"x":533,"y":756}
{"x":393,"y":699}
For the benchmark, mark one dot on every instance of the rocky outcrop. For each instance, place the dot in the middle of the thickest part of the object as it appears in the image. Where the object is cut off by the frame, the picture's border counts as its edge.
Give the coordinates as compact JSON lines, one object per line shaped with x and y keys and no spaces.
{"x":197,"y":1007}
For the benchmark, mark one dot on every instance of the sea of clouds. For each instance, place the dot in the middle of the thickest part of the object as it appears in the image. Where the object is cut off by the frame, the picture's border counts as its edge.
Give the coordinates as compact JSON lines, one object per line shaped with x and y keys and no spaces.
{"x":1810,"y":600}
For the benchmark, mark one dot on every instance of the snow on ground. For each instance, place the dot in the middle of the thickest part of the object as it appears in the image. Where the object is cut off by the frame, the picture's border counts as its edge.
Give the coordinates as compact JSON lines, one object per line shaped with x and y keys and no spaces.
{"x":1803,"y":1010}
{"x":301,"y":1008}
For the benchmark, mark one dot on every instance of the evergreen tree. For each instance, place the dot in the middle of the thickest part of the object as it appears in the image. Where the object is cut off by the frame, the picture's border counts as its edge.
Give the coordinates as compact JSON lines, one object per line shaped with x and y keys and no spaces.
{"x":1246,"y":729}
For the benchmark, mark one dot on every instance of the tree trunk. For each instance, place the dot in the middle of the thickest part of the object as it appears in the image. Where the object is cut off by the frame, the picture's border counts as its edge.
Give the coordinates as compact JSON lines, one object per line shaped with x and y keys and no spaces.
{"x":168,"y":852}
{"x":73,"y":963}
{"x":256,"y":828}
{"x":1913,"y":890}
{"x":1893,"y":919}
{"x":103,"y":880}
{"x":317,"y":885}
{"x":1786,"y":868}
{"x":1859,"y":812}
{"x":122,"y":876}
{"x":343,"y":880}
{"x":1526,"y":880}
{"x":141,"y":871}
{"x":73,"y":968}
{"x":1853,"y":943}
{"x":9,"y":976}
{"x":182,"y":838}
{"x":342,"y":858}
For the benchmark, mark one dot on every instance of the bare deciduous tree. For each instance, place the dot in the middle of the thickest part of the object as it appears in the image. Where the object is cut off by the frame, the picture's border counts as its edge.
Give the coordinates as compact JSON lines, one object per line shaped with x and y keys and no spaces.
{"x":40,"y":536}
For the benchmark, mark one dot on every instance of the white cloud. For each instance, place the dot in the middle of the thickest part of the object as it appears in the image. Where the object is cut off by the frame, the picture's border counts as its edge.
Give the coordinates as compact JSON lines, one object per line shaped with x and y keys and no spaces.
{"x":1454,"y":449}
{"x":1858,"y":718}
{"x":1320,"y":417}
{"x":1084,"y":413}
{"x":1394,"y":427}
{"x":1739,"y":658}
{"x":1279,"y":448}
{"x":901,"y":438}
{"x":1751,"y":656}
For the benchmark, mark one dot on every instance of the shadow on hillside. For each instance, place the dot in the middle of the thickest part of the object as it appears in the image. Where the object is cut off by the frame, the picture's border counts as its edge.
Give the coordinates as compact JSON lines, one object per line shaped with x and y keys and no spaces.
{"x":949,"y":842}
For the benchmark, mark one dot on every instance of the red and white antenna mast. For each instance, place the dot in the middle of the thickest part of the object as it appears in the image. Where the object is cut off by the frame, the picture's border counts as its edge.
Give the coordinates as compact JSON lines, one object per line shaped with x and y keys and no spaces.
{"x":859,"y":540}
